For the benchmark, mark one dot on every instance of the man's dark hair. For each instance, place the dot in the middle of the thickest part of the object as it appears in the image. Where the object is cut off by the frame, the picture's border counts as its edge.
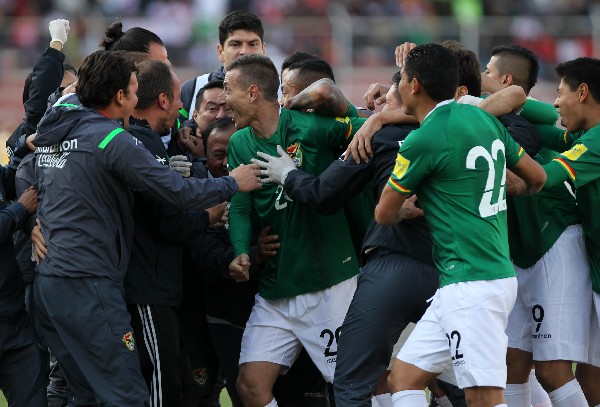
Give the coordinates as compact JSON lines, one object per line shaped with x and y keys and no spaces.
{"x":69,"y":68}
{"x":154,"y":78}
{"x":223,"y":123}
{"x":311,"y":70}
{"x":240,"y":20}
{"x":101,"y":75}
{"x":435,"y":68}
{"x":135,"y":39}
{"x":297,"y":56}
{"x":200,"y":95}
{"x":520,"y":62}
{"x":581,"y":70}
{"x":396,"y":78}
{"x":469,"y":68}
{"x":257,"y":70}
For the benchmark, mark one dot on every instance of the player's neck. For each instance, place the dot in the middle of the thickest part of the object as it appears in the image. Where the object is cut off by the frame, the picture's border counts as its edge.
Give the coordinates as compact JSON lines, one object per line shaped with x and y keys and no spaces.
{"x":424,"y":108}
{"x":592,"y":117}
{"x":265,"y":122}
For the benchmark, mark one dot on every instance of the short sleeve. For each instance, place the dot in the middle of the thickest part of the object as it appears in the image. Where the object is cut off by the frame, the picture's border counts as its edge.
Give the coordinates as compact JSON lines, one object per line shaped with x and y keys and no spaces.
{"x":414,"y":162}
{"x":581,"y":161}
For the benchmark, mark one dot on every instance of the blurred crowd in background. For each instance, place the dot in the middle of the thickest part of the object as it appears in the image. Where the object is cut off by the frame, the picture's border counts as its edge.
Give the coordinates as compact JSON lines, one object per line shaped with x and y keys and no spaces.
{"x":356,"y":36}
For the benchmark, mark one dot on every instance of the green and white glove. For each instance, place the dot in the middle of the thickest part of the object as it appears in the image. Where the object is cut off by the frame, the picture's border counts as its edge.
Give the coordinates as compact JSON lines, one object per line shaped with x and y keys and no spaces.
{"x":275,"y":169}
{"x":59,"y":30}
{"x":180,"y":164}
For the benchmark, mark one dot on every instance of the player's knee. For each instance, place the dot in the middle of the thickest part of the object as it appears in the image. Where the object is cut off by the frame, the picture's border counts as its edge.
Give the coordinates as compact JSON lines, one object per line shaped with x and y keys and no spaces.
{"x":251,"y":390}
{"x":401,"y":379}
{"x":553,"y":375}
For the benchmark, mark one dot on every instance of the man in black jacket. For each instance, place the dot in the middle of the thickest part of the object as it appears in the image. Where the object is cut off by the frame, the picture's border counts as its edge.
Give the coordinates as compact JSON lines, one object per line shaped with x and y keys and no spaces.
{"x":23,"y":364}
{"x":153,"y":283}
{"x":86,"y":166}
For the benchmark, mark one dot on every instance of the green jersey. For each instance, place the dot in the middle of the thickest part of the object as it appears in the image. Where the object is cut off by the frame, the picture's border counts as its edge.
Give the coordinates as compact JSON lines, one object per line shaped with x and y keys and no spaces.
{"x":580,"y":165}
{"x":537,"y":112}
{"x":456,"y":164}
{"x":316,"y":251}
{"x":535,"y":222}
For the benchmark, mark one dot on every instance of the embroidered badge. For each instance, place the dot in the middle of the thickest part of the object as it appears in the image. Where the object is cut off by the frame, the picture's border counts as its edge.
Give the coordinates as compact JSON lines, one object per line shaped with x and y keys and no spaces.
{"x":200,"y":376}
{"x":129,"y":341}
{"x":295,"y":153}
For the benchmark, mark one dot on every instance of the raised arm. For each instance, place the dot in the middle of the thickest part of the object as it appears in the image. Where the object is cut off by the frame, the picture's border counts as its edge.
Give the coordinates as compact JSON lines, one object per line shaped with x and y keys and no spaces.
{"x":324,"y":96}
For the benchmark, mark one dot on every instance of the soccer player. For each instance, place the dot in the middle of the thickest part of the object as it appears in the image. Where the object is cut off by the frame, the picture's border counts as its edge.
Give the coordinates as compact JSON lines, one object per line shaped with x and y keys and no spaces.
{"x":549,"y":324}
{"x":578,"y":103}
{"x":460,"y":185}
{"x":306,"y":288}
{"x":358,"y":368}
{"x":398,"y":273}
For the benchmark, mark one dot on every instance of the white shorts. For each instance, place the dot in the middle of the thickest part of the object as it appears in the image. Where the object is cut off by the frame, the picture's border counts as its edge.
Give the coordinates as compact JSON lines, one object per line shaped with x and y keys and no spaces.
{"x":277,"y":330}
{"x":463,"y":329}
{"x":594,"y":354}
{"x":551,"y":317}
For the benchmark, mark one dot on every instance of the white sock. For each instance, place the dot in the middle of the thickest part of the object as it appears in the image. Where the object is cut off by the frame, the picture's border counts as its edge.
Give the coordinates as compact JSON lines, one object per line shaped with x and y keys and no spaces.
{"x":409,"y":398}
{"x":568,"y":395}
{"x":444,"y":401}
{"x":501,"y":405}
{"x":383,"y":400}
{"x":374,"y":402}
{"x":518,"y":395}
{"x":539,"y":397}
{"x":273,"y":403}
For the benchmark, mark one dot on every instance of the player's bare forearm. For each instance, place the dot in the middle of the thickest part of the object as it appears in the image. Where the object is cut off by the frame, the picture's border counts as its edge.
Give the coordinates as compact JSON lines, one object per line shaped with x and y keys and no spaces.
{"x":504,"y":101}
{"x":323,"y":96}
{"x":388,"y":210}
{"x":516,"y":186}
{"x":528,"y":172}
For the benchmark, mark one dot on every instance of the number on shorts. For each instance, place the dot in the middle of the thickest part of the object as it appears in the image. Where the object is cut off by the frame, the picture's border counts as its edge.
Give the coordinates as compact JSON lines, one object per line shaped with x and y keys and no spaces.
{"x":538,"y":316}
{"x":486,"y":207}
{"x":327,"y":332}
{"x":450,"y":337}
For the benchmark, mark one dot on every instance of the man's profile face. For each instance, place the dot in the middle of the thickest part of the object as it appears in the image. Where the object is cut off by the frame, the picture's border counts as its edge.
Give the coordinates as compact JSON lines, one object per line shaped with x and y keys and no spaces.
{"x":405,"y":90}
{"x":172,"y":110}
{"x":289,"y":86}
{"x":238,"y":97}
{"x":567,"y":104}
{"x":213,"y":107}
{"x":238,"y":43}
{"x":492,"y":71}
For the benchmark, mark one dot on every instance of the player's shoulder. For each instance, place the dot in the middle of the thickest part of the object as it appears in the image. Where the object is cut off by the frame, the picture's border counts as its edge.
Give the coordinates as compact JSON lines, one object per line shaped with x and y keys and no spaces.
{"x":239,"y":137}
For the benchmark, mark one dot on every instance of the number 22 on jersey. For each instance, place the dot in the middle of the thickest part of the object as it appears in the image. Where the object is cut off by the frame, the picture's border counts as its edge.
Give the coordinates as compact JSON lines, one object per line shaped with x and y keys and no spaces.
{"x":486,"y":207}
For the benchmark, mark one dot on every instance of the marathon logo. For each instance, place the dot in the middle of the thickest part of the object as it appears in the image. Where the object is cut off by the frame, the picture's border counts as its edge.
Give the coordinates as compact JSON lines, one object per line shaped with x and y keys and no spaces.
{"x":66,"y":145}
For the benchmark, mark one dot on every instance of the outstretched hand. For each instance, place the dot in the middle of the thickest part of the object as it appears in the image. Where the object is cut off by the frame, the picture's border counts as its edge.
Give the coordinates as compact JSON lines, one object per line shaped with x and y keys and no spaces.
{"x":275,"y":169}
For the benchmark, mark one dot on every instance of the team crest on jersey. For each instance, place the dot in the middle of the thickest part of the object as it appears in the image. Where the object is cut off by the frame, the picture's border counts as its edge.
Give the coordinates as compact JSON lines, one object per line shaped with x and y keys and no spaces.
{"x":295,"y":153}
{"x":129,"y":341}
{"x":574,"y":153}
{"x":200,"y":376}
